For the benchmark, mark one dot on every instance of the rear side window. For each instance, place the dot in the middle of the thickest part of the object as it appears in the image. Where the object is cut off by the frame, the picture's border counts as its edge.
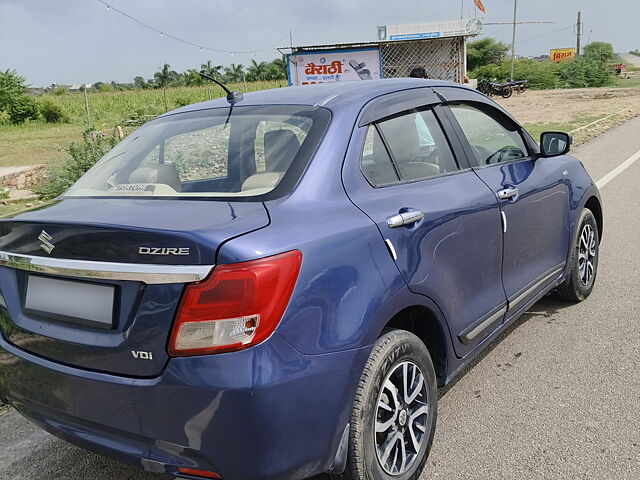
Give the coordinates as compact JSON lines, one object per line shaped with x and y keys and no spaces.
{"x":491,"y":141}
{"x":417,"y":150}
{"x":376,"y":163}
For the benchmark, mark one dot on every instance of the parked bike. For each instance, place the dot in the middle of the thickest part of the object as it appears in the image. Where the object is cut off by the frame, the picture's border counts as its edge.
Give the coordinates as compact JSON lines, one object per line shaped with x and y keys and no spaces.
{"x":505,"y":90}
{"x":519,"y":86}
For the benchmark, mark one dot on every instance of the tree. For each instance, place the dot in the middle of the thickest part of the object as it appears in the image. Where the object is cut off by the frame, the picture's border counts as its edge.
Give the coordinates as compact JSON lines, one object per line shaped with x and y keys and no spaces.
{"x":234,"y":73}
{"x":162,"y":78}
{"x":139,"y":82}
{"x":485,"y":52}
{"x":212,"y":70}
{"x":601,"y":52}
{"x":192,"y":77}
{"x":279,"y":67}
{"x":14,"y":99}
{"x":257,"y":71}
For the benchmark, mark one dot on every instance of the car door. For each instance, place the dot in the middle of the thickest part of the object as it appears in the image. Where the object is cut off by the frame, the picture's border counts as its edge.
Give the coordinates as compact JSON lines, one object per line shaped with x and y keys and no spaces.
{"x":532,"y":195}
{"x":440,"y":222}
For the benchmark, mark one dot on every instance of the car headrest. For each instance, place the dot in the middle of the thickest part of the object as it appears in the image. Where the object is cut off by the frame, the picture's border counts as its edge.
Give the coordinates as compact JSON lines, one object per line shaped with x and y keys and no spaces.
{"x":280,"y":147}
{"x":262,"y":180}
{"x":162,"y":173}
{"x":403,"y":138}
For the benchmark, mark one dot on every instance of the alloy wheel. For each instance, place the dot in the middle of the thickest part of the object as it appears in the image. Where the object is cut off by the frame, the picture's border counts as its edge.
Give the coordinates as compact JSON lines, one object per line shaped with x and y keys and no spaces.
{"x":587,"y":250}
{"x":401,"y":418}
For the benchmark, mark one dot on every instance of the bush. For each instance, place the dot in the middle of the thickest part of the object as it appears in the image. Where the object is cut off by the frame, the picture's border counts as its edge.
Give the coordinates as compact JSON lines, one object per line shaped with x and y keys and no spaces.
{"x":539,"y":75}
{"x":14,"y":99}
{"x":5,"y":118}
{"x":52,"y":112}
{"x":584,"y":72}
{"x":579,"y":73}
{"x":23,"y":108}
{"x":82,"y":156}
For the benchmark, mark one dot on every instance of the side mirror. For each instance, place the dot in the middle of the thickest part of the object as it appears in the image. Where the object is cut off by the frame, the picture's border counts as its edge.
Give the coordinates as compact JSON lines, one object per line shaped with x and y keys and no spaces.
{"x":553,"y":144}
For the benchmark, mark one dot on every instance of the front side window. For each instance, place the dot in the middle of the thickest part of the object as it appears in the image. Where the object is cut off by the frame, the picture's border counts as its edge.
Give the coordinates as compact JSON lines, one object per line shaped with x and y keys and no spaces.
{"x":491,"y":141}
{"x":209,"y":153}
{"x":417,"y":150}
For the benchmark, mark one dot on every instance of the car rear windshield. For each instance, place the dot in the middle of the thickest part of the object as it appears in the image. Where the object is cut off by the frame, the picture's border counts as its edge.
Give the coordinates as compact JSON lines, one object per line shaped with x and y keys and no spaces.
{"x":252,"y":152}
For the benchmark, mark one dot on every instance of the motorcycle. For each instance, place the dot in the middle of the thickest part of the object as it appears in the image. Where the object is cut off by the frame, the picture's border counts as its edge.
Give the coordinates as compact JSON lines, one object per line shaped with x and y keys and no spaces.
{"x":519,"y":86}
{"x":505,"y":90}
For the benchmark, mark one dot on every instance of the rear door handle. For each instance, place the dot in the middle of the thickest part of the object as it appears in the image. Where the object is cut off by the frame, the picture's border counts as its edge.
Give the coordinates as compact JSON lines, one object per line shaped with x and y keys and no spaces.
{"x":507,"y":193}
{"x":405,"y":218}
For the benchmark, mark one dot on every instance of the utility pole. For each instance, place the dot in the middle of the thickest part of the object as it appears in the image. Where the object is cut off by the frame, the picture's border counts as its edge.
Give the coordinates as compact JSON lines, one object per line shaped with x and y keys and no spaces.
{"x":578,"y":33}
{"x":513,"y":37}
{"x":86,"y":101}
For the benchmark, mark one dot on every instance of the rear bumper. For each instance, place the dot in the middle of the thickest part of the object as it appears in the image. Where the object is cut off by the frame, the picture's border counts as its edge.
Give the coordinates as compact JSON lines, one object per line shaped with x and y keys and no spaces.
{"x":267,"y":412}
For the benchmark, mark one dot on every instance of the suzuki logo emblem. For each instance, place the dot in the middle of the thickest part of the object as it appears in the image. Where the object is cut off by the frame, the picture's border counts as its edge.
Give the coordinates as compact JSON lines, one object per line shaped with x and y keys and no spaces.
{"x":46,"y":244}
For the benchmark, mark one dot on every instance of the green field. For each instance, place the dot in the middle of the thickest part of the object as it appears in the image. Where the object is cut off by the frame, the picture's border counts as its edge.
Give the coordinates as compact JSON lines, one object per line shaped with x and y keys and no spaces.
{"x":107,"y":109}
{"x":39,"y":142}
{"x":628,"y":82}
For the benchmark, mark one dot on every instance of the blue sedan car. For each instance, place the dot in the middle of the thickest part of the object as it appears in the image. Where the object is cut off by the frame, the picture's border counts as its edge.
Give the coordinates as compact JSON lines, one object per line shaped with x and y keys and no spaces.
{"x":274,"y":287}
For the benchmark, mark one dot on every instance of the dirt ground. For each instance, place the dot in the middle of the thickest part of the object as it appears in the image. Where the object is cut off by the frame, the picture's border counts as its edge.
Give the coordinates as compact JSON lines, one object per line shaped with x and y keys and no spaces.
{"x":569,"y":106}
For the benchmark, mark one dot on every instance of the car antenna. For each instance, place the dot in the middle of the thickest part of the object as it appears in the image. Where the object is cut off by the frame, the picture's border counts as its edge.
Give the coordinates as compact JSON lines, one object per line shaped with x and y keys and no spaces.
{"x":232,"y":97}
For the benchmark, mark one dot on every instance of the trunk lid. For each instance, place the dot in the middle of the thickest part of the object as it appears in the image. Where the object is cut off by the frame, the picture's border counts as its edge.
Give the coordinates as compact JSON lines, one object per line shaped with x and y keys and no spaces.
{"x":109,"y":322}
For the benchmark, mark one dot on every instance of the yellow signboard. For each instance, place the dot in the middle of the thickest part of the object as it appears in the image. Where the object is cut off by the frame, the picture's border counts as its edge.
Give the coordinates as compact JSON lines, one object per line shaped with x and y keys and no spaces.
{"x":562,"y":54}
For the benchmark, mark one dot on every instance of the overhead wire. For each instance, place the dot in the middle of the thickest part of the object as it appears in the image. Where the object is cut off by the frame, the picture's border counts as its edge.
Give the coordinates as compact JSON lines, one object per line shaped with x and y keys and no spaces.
{"x":184,"y":41}
{"x":546,"y":34}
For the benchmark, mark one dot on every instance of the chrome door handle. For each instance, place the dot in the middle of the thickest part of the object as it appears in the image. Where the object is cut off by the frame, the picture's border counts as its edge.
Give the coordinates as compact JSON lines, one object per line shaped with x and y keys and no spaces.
{"x":507,"y":193}
{"x":404,"y":219}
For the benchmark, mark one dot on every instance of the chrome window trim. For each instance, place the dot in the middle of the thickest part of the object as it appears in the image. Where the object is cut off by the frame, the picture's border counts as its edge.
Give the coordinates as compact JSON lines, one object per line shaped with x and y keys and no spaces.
{"x":135,"y":272}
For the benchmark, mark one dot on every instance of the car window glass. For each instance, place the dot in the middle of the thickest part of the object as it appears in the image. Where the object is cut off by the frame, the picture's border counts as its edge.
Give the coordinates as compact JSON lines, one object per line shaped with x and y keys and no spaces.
{"x":202,"y":154}
{"x":264,"y":135}
{"x":376,"y":163}
{"x":490,"y":141}
{"x":209,"y":153}
{"x":418,"y":146}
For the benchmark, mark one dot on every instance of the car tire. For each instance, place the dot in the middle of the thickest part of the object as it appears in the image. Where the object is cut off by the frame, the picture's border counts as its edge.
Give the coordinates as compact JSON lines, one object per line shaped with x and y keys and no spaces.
{"x":405,"y":422}
{"x":584,"y":260}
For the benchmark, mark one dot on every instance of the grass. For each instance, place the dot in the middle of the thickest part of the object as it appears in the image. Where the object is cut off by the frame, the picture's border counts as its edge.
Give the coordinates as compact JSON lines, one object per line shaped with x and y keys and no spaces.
{"x":35,"y":143}
{"x":628,"y":82}
{"x":39,"y":142}
{"x":19,"y":206}
{"x":535,"y":129}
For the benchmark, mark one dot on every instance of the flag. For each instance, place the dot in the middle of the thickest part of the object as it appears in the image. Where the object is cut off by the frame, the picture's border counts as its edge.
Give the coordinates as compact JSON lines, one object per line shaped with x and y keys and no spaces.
{"x":480,"y":5}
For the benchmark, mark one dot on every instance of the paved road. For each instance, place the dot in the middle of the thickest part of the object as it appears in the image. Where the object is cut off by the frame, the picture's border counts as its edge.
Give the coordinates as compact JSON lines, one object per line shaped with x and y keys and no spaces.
{"x":630,"y":60}
{"x":557,"y":397}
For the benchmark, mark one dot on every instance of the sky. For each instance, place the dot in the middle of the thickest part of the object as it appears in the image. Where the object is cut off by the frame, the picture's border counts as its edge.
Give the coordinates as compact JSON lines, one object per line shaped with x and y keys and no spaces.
{"x":81,"y":41}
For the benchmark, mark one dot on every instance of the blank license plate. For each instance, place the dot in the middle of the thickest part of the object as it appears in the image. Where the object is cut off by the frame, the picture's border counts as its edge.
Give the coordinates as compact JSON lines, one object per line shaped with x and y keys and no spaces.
{"x":71,"y":301}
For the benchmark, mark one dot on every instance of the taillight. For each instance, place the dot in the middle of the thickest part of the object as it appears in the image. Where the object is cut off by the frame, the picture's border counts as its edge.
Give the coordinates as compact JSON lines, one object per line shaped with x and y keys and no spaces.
{"x":236,"y":307}
{"x":198,"y":473}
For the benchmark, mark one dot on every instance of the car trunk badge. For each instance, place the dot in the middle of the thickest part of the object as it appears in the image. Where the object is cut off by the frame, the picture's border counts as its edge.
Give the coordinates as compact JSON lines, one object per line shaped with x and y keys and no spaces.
{"x":46,"y":244}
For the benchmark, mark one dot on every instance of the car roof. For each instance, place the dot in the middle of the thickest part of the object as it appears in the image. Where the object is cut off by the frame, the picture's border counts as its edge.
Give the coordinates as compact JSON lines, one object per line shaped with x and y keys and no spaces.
{"x":331,"y":95}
